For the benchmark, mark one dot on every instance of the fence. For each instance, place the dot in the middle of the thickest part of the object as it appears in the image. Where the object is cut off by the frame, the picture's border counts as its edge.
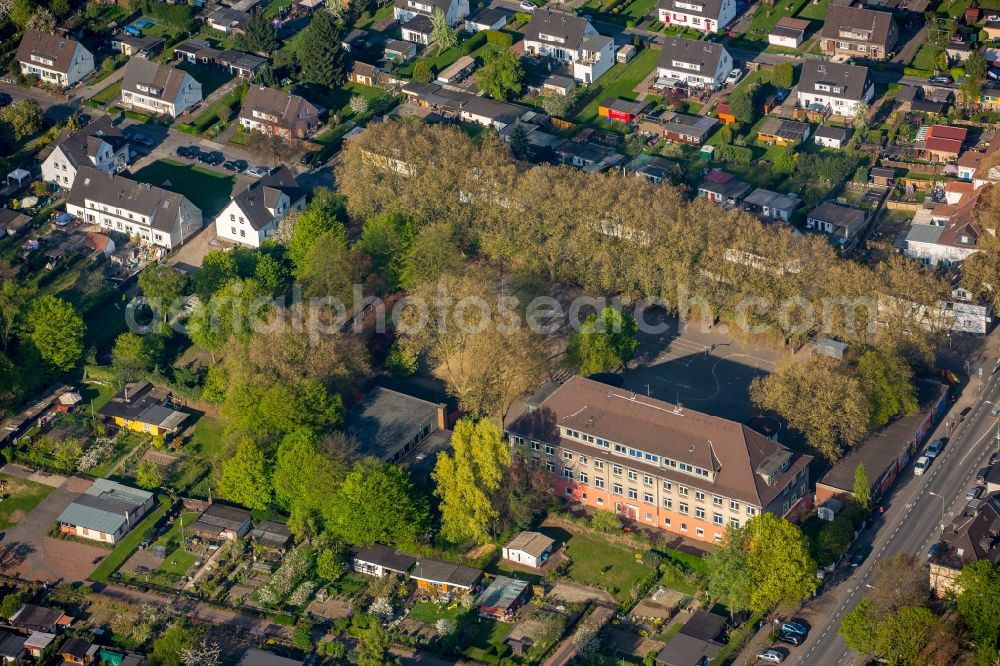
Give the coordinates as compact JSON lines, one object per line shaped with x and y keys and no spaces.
{"x":927,"y":169}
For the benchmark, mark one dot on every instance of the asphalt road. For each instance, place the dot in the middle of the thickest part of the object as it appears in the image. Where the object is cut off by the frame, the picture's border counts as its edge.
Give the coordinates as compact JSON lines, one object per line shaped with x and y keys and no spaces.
{"x":914,"y":517}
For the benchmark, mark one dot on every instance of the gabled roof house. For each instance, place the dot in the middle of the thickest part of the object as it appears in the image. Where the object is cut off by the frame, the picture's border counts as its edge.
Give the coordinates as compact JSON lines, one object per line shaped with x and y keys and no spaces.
{"x":697,"y":63}
{"x":253,"y":214}
{"x":275,"y":112}
{"x":55,"y":60}
{"x":572,"y":40}
{"x":701,"y":15}
{"x":161,"y":89}
{"x":100,"y":145}
{"x":105,"y":512}
{"x":834,"y":87}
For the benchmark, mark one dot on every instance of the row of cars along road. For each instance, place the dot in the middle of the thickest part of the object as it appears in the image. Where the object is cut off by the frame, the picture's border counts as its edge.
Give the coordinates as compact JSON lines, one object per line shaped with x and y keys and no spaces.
{"x":793,"y":632}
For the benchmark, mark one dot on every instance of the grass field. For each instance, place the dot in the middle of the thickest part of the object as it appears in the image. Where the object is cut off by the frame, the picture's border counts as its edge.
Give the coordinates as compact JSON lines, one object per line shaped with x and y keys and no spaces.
{"x":638,"y":9}
{"x":22,"y":497}
{"x":338,"y":100}
{"x":620,"y":81}
{"x":761,"y":22}
{"x":208,"y":190}
{"x":208,"y":438}
{"x":927,"y":57}
{"x":210,"y":78}
{"x":110,"y":94}
{"x":429,"y":612}
{"x":178,"y":563}
{"x":484,"y":639}
{"x":128,"y":545}
{"x":596,"y":561}
{"x":814,"y":11}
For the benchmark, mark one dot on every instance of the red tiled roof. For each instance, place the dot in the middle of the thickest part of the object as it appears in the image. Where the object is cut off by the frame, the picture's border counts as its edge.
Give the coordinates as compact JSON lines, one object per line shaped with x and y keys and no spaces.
{"x":716,"y":176}
{"x":793,"y":23}
{"x":970,"y":159}
{"x":947,"y":132}
{"x":940,"y":145}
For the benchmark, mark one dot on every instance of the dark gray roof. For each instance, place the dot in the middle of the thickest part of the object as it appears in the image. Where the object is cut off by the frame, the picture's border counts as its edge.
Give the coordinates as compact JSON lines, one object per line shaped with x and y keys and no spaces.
{"x":704,"y":8}
{"x":80,"y":146}
{"x":684,"y":125}
{"x":684,"y":650}
{"x":158,"y":204}
{"x":240,"y":60}
{"x":140,"y":401}
{"x":703,"y":625}
{"x":762,"y":197}
{"x":420,"y":23}
{"x":286,"y":107}
{"x":705,"y":55}
{"x":12,"y":646}
{"x":845,"y":81}
{"x":255,"y":657}
{"x":437,"y":571}
{"x":858,"y":24}
{"x":57,"y":49}
{"x":272,"y":531}
{"x":385,"y":557}
{"x":227,"y":16}
{"x":144,"y":43}
{"x":258,"y":200}
{"x":786,"y":129}
{"x":197,"y":48}
{"x":33,"y":617}
{"x":387,"y":419}
{"x":12,"y":221}
{"x":224,"y":517}
{"x":569,"y":27}
{"x":841,"y":216}
{"x":487,"y":16}
{"x":75,"y":647}
{"x":160,"y":81}
{"x":828,"y":132}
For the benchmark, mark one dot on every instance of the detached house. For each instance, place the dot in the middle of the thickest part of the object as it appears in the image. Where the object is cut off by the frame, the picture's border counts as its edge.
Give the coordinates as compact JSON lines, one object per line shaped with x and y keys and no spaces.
{"x":105,"y":512}
{"x":833,"y":87}
{"x":702,"y":15}
{"x":840,"y":222}
{"x":697,"y":63}
{"x":858,"y":32}
{"x":142,"y":407}
{"x":161,"y":89}
{"x":278,"y":113}
{"x":454,"y":10}
{"x":157,"y":216}
{"x":658,"y":464}
{"x":253,"y":214}
{"x":100,"y":145}
{"x":948,"y":233}
{"x":571,"y":40}
{"x":53,"y":59}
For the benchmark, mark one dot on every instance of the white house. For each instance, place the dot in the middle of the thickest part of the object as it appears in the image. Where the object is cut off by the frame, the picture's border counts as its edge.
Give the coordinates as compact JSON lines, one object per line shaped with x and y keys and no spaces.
{"x":529,"y":548}
{"x":486,"y":18}
{"x":788,"y":32}
{"x":832,"y":137}
{"x":702,"y":15}
{"x":160,"y":89}
{"x":253,"y":214}
{"x":453,"y":10}
{"x":53,"y":59}
{"x":697,"y":63}
{"x":105,"y":512}
{"x":835,"y":87}
{"x":100,"y":145}
{"x":946,"y":234}
{"x":572,"y":40}
{"x":158,"y":217}
{"x":841,"y":222}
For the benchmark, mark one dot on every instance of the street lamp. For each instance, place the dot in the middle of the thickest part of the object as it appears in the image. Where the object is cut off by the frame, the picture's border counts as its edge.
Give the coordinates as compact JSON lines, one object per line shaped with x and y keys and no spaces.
{"x":940,"y":497}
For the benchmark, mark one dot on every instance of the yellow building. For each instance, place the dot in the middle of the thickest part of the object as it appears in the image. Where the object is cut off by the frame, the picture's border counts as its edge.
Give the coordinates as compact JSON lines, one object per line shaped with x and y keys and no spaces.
{"x":142,"y":407}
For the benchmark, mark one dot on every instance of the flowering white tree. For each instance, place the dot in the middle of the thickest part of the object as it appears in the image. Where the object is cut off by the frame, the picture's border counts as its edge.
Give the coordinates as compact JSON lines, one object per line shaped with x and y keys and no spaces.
{"x":42,"y":20}
{"x":445,"y":626}
{"x":382,"y":609}
{"x":359,"y":104}
{"x":5,"y":7}
{"x":205,"y":653}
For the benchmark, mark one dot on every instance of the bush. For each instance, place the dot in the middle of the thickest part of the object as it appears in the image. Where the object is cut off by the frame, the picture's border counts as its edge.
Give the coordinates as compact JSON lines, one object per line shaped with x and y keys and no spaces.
{"x":735,"y":154}
{"x":474,"y":42}
{"x":498,"y":38}
{"x":605,"y":521}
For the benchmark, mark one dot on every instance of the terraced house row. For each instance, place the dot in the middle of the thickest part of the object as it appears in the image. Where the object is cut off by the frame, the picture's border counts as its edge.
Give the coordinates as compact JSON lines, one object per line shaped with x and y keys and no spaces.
{"x":659,"y":464}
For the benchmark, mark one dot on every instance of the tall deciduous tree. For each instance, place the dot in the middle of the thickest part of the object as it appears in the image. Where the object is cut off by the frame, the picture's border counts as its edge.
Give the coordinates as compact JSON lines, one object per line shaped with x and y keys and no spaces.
{"x":468,"y":481}
{"x":386,"y":239}
{"x":977,"y":602}
{"x":858,"y":628}
{"x":162,"y":285}
{"x":432,"y":254}
{"x":14,"y":300}
{"x":21,"y":120}
{"x":604,"y":342}
{"x":217,"y":268}
{"x":501,"y":73}
{"x":887,"y":381}
{"x":377,"y":503}
{"x":245,"y":479}
{"x":730,"y":582}
{"x":56,"y":331}
{"x":782,"y":571}
{"x":323,"y":215}
{"x":442,"y":34}
{"x":838,"y":413}
{"x":862,"y":487}
{"x":321,"y":55}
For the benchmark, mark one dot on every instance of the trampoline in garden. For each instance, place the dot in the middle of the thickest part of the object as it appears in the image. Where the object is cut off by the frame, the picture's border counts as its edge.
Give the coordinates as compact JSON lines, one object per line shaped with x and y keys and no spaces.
{"x":143,"y":23}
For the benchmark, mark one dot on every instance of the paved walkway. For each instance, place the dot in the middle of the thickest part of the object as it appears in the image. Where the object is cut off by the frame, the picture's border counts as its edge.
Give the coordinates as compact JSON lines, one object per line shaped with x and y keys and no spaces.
{"x":28,"y":474}
{"x":88,"y":92}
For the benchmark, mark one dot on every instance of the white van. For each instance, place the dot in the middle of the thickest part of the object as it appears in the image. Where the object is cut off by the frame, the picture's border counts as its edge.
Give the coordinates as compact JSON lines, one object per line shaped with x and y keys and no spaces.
{"x":919,"y":467}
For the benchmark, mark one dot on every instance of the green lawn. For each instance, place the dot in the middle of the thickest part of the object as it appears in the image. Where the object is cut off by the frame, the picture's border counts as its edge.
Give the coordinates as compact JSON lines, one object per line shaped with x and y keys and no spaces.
{"x":23,"y":497}
{"x":110,"y":94}
{"x":129,"y":544}
{"x":178,"y":563}
{"x":620,"y":81}
{"x":210,"y":78}
{"x":368,"y":20}
{"x":764,"y":18}
{"x":338,"y":100}
{"x":272,"y":9}
{"x":595,"y":561}
{"x":208,"y":437}
{"x":638,"y":9}
{"x":927,"y":57}
{"x":430,"y":612}
{"x":483,"y":640}
{"x":208,"y":190}
{"x":814,"y":10}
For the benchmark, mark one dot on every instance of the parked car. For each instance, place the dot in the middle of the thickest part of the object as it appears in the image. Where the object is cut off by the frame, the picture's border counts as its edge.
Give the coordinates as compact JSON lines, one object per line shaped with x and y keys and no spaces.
{"x":773,"y":655}
{"x":934,"y":550}
{"x":83,"y":118}
{"x":191,"y":152}
{"x":256,"y":172}
{"x":791,"y":639}
{"x":795,"y":627}
{"x":859,"y":556}
{"x":994,"y":458}
{"x":919,"y":467}
{"x":934,"y":449}
{"x":527,"y":6}
{"x":5,"y":99}
{"x":974,"y":493}
{"x":141,"y":139}
{"x":307,"y":158}
{"x":215,"y":158}
{"x":238,"y":166}
{"x":940,"y":79}
{"x":734,"y":76}
{"x":981,"y":477}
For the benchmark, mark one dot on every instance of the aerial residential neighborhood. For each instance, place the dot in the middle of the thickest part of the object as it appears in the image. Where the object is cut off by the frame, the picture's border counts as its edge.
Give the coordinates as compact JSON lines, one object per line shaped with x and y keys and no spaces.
{"x":503,"y":332}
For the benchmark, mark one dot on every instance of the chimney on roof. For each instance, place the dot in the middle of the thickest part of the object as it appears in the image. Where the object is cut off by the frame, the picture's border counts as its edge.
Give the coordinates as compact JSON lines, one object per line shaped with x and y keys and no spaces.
{"x":442,"y":417}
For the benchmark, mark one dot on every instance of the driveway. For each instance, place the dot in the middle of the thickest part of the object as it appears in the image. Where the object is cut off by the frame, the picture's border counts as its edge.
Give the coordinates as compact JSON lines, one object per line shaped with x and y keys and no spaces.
{"x":28,"y":474}
{"x":27,"y":551}
{"x":189,"y":256}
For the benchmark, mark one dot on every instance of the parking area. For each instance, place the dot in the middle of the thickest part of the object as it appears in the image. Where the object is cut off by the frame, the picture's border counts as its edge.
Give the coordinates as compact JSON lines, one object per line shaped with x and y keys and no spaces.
{"x":699,"y":367}
{"x":27,"y":551}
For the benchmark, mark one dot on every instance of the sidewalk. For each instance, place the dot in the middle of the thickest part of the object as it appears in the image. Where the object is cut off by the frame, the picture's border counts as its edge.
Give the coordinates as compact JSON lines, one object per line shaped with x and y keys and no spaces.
{"x":89,"y":91}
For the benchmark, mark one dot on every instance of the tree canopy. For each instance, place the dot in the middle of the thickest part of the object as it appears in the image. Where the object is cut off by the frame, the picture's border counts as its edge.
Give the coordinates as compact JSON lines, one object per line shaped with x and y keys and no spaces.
{"x":56,"y":331}
{"x":323,"y":59}
{"x":501,"y":73}
{"x":605,"y":342}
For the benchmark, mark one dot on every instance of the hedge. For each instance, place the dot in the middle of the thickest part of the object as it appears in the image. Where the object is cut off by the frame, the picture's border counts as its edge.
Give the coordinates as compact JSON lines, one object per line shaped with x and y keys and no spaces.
{"x":498,"y":38}
{"x":474,"y":42}
{"x":735,"y":154}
